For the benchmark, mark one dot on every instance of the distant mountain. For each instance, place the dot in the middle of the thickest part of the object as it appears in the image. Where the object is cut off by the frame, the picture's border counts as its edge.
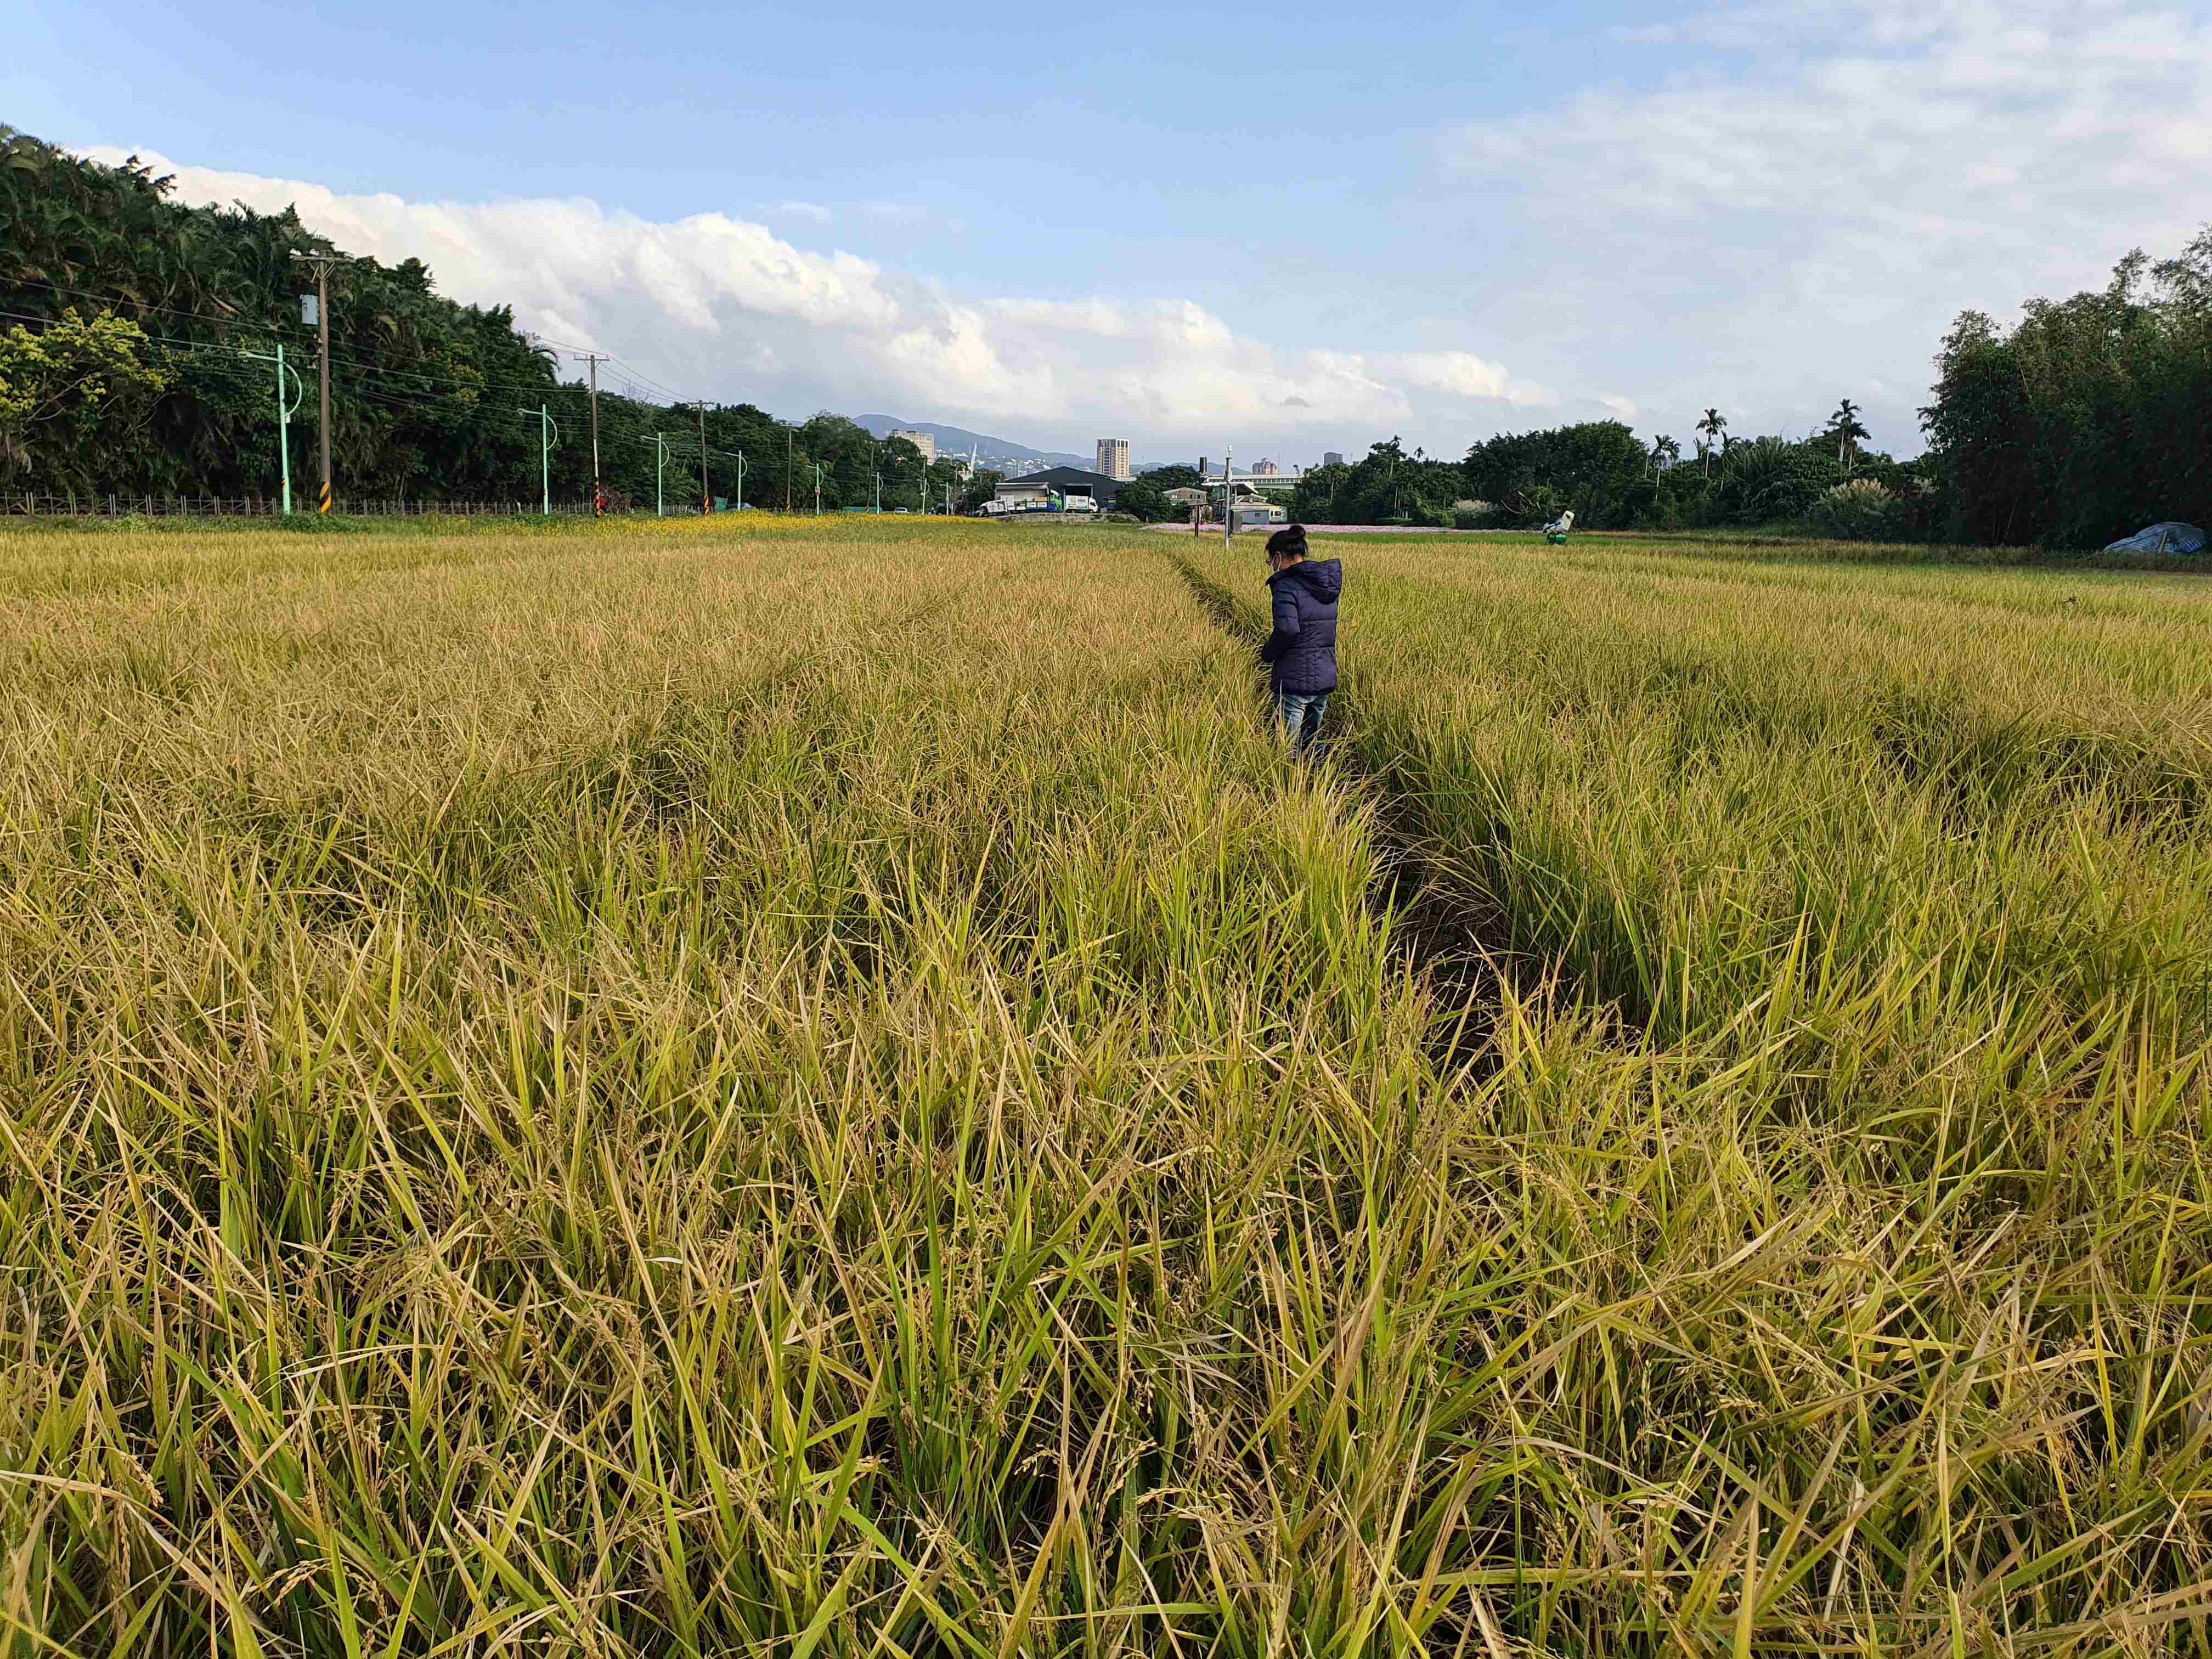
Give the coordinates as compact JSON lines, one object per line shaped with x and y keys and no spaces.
{"x":957,"y":440}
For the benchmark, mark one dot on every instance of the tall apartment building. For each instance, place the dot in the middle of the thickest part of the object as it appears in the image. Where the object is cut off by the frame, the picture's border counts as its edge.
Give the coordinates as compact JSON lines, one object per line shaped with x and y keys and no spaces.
{"x":1113,"y":456}
{"x":921,"y":441}
{"x":1331,"y":458}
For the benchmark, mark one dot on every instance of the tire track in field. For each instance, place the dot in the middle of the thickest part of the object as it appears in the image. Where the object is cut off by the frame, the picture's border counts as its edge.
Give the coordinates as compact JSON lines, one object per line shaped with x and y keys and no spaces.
{"x":1460,"y":947}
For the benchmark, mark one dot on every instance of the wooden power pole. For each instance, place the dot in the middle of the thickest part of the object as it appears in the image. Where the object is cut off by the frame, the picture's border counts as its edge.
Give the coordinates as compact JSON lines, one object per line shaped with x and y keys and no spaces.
{"x":322,"y":262}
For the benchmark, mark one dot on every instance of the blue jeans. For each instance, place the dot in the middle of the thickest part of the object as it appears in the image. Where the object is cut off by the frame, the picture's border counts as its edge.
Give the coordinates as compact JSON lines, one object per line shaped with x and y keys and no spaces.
{"x":1300,"y":715}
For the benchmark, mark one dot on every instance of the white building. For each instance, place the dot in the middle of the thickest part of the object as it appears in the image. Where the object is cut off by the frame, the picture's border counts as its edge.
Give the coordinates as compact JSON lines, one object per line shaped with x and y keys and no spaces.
{"x":1114,"y":458}
{"x":1055,"y":490}
{"x":926,"y":442}
{"x":1272,"y":481}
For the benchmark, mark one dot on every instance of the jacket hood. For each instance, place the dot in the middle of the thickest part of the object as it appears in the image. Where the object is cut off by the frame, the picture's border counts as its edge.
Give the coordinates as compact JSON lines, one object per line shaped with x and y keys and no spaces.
{"x":1324,"y":576}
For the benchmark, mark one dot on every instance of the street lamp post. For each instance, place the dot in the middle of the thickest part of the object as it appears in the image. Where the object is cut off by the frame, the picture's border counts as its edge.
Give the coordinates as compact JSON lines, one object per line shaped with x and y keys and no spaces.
{"x":549,"y":440}
{"x":284,"y":414}
{"x":1228,"y":496}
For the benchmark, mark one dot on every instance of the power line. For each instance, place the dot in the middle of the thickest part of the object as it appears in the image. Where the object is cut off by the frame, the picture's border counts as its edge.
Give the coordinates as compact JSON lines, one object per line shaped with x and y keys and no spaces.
{"x":535,"y":337}
{"x":388,"y":386}
{"x":197,"y":345}
{"x":636,"y":382}
{"x":417,"y":404}
{"x":535,"y":388}
{"x":208,"y":355}
{"x":646,"y":379}
{"x":265,"y":324}
{"x":426,"y":404}
{"x":111,"y":300}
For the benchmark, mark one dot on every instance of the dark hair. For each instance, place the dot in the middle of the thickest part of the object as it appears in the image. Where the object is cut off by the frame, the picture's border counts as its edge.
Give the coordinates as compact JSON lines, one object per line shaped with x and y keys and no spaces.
{"x":1288,"y":543}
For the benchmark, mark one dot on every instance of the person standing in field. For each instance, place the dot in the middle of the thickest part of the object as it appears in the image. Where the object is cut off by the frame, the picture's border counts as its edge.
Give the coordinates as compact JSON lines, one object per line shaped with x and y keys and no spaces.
{"x":1301,"y":652}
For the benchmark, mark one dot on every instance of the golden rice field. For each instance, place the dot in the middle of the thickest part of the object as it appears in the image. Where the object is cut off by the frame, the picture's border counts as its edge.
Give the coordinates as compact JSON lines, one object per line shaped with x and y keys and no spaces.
{"x":824,"y":1089}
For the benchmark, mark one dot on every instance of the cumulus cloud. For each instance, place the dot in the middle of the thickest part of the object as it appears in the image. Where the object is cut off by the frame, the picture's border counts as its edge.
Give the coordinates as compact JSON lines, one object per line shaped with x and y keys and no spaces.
{"x":1470,"y":376}
{"x":1778,"y":202}
{"x":723,"y":306}
{"x":1814,"y":202}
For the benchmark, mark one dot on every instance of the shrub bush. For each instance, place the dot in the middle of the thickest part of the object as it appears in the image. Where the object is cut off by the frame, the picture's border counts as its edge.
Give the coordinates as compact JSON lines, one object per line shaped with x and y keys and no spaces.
{"x":1863,"y":510}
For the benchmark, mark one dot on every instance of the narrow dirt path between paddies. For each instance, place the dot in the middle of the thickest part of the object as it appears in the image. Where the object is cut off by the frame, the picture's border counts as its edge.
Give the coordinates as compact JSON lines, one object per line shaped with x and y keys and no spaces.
{"x":766,"y":1086}
{"x":1456,"y":943}
{"x":1903,"y":877}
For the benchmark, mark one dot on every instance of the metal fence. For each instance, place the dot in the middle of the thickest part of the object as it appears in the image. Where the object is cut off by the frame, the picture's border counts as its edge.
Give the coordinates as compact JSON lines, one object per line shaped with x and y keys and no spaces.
{"x":65,"y":505}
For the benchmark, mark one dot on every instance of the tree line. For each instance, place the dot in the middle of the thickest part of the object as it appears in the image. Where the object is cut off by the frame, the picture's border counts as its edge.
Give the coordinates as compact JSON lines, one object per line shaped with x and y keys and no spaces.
{"x":2089,"y":418}
{"x":137,"y":345}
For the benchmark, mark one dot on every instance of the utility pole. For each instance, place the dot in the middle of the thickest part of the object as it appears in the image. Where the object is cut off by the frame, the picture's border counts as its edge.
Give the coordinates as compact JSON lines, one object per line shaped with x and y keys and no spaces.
{"x":817,"y":490}
{"x":322,"y":262}
{"x":706,"y":490}
{"x":594,"y":359}
{"x":741,"y":479}
{"x":548,"y":441}
{"x":786,"y":469}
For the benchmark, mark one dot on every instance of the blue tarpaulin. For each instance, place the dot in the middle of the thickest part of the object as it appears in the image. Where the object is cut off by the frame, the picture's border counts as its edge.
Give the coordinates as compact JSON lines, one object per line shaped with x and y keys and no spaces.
{"x":2171,"y":536}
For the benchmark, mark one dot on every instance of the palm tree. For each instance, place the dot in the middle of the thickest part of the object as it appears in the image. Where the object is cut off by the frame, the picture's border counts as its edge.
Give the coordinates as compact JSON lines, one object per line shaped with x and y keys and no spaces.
{"x":1665,"y":452}
{"x":1845,"y":423}
{"x":1712,"y":426}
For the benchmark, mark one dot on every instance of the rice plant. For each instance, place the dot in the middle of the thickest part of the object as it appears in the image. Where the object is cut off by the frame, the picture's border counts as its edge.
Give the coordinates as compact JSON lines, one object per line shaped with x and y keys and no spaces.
{"x":756,"y":1085}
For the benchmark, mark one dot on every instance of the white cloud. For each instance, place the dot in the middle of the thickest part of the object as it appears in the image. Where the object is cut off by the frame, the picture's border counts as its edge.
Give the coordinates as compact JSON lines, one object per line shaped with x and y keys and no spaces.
{"x":722,"y":306}
{"x":1812,"y":206}
{"x":1465,"y":375}
{"x":1779,"y":203}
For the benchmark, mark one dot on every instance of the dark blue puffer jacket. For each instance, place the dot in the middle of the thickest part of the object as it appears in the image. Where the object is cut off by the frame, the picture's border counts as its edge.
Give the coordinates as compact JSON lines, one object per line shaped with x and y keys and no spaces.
{"x":1302,"y":648}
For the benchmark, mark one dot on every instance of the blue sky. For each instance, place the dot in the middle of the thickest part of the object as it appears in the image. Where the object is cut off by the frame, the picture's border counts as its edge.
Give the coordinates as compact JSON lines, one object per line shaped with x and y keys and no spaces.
{"x":1288,"y":229}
